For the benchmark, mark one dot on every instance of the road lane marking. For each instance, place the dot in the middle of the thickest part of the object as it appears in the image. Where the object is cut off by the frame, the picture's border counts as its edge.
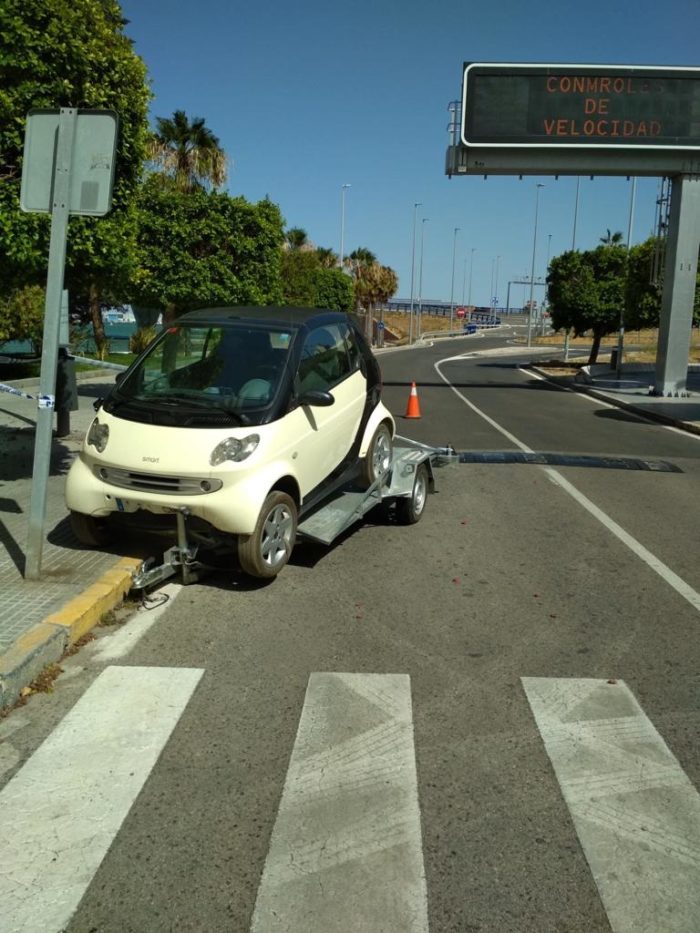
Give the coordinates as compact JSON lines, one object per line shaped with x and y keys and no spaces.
{"x":597,"y":401}
{"x":117,"y":645}
{"x":60,"y":813}
{"x":636,"y":813}
{"x":346,"y":850}
{"x":669,"y":576}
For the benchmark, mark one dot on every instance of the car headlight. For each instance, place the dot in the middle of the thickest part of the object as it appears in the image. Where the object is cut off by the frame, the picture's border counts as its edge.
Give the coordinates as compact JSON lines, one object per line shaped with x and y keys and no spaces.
{"x":98,"y":435}
{"x":234,"y":449}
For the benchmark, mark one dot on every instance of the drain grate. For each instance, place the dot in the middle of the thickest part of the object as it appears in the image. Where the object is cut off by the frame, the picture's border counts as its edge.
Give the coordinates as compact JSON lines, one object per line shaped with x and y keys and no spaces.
{"x":570,"y":460}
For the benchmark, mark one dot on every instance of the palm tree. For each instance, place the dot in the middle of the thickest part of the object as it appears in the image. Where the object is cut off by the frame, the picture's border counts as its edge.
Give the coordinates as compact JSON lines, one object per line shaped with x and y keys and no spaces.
{"x":188,"y":152}
{"x":612,"y":239}
{"x":297,"y":238}
{"x":327,"y":257}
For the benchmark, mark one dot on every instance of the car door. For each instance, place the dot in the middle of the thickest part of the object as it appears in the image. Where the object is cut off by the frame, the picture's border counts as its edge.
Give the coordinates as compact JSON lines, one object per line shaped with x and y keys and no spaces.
{"x":326,"y":433}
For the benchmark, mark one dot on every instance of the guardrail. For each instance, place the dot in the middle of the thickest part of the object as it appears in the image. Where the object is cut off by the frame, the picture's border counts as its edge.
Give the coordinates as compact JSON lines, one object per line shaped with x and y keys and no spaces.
{"x":458,"y":333}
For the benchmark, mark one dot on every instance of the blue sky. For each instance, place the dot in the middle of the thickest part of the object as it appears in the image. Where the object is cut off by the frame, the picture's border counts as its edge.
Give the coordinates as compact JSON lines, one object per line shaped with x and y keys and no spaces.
{"x":309,"y":96}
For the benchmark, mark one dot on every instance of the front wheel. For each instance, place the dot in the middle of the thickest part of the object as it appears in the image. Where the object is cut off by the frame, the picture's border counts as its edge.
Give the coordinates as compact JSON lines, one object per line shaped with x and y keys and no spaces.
{"x":378,"y":456}
{"x":410,"y":508}
{"x":91,"y":531}
{"x":265,"y":552}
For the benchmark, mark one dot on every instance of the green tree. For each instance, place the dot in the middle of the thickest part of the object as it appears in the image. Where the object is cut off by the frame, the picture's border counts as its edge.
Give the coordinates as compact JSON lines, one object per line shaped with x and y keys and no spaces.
{"x":201,"y":248}
{"x":188,"y":152}
{"x":58,"y":53}
{"x":308,"y":283}
{"x":586,"y":292}
{"x":296,"y":238}
{"x":334,"y":290}
{"x":22,"y":315}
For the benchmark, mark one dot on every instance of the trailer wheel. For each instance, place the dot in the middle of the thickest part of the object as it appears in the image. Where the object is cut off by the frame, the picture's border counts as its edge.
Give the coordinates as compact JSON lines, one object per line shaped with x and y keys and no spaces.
{"x":410,"y":508}
{"x":91,"y":531}
{"x":378,"y":455}
{"x":265,"y":552}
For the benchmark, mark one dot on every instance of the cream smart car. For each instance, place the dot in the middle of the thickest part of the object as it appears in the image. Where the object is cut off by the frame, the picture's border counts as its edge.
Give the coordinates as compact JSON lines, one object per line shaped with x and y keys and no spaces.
{"x":246,"y":419}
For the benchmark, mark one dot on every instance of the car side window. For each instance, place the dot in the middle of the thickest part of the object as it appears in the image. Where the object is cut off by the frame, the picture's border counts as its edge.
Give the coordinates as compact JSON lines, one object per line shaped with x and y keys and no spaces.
{"x":354,"y":351}
{"x":324,"y":360}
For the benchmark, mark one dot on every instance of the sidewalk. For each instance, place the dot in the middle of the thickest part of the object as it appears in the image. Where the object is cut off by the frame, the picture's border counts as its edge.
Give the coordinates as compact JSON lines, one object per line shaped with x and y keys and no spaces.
{"x":39,"y":620}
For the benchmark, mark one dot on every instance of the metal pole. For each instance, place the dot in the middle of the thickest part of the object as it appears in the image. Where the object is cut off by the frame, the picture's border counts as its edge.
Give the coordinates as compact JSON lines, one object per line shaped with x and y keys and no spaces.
{"x":545,"y":301}
{"x":495,"y":290}
{"x":416,"y":205}
{"x":452,"y":290}
{"x":573,"y":238}
{"x":419,"y":323}
{"x":471,"y":265}
{"x":532,"y":267}
{"x":508,"y":301}
{"x":621,"y":333}
{"x":67,"y":120}
{"x":342,"y":222}
{"x":464,"y":279}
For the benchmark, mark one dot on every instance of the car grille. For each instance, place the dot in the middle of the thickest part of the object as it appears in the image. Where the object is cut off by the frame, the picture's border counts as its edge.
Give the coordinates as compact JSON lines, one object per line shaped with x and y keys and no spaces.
{"x":156,"y":482}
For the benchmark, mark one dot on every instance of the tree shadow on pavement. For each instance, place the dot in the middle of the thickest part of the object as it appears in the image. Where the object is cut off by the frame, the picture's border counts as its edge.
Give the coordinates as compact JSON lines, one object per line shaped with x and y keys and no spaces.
{"x":17,"y":453}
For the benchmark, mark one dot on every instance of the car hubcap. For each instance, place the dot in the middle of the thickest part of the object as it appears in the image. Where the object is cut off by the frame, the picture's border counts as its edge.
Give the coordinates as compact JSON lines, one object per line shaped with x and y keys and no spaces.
{"x":276,"y":543}
{"x":382,"y":455}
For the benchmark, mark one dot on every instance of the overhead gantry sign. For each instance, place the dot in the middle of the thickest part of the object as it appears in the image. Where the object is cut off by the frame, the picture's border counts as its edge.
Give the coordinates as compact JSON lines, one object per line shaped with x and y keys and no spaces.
{"x":537,"y":119}
{"x":576,"y":119}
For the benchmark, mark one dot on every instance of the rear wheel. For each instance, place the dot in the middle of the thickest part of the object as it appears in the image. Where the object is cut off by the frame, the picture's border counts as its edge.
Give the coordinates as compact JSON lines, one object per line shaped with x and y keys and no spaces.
{"x":410,"y":509}
{"x":378,"y":455}
{"x":265,"y":552}
{"x":94,"y":532}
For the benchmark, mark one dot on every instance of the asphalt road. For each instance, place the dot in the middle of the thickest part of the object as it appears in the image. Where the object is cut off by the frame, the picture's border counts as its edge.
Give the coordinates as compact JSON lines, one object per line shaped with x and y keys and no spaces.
{"x":510,"y":583}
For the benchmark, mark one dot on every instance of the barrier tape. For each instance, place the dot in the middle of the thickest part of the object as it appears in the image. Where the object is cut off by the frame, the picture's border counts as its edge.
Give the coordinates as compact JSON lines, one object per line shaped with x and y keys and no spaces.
{"x":45,"y":401}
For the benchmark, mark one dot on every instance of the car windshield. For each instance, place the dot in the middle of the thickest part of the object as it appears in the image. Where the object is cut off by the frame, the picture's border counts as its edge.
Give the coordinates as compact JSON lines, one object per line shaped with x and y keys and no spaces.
{"x":237,"y":367}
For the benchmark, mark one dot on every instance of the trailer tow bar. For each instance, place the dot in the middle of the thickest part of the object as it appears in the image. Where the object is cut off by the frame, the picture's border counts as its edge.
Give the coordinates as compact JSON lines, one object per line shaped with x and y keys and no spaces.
{"x":181,"y":557}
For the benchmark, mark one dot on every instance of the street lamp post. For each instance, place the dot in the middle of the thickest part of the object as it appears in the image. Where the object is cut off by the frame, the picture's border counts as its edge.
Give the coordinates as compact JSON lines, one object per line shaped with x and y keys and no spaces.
{"x":494,"y":297}
{"x":452,"y":290}
{"x":532,"y":268}
{"x":546,"y":294}
{"x":416,"y":205}
{"x":419,"y":322}
{"x":471,"y":267}
{"x":343,"y":189}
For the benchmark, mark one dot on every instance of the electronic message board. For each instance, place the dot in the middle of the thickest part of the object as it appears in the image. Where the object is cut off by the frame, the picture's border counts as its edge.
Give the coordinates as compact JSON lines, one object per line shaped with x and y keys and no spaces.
{"x":580,"y":106}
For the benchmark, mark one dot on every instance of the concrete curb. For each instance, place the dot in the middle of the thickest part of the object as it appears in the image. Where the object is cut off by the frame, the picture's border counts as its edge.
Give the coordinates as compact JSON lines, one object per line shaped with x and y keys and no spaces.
{"x":586,"y":389}
{"x":46,"y":642}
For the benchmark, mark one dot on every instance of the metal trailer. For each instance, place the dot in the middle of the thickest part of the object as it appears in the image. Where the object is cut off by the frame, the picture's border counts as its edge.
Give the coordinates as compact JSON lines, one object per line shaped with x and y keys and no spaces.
{"x":407,"y":481}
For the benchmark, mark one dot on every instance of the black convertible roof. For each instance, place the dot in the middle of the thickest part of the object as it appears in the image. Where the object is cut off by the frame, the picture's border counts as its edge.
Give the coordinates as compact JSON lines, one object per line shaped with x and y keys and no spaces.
{"x":287,"y":315}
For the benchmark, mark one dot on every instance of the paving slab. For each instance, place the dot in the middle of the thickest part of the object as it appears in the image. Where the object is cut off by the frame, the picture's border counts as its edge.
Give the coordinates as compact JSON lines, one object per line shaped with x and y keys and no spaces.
{"x":39,"y":619}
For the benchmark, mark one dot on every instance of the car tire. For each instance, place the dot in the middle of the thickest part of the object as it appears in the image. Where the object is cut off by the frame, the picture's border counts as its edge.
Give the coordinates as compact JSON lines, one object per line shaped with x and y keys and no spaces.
{"x":266,"y":551}
{"x":378,"y":457}
{"x":91,"y":531}
{"x":410,"y":509}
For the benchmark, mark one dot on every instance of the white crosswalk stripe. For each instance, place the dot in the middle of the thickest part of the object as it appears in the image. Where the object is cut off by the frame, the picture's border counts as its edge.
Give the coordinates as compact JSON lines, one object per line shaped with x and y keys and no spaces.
{"x":61,"y":811}
{"x":636,"y":813}
{"x":346,"y":850}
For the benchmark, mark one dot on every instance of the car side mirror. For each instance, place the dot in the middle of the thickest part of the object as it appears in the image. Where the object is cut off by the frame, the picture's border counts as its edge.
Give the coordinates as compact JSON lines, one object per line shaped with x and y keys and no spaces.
{"x":119,"y":377}
{"x":317,"y":398}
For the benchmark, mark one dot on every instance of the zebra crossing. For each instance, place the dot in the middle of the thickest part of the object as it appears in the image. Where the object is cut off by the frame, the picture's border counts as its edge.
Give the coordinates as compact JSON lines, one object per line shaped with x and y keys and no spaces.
{"x":346,"y":851}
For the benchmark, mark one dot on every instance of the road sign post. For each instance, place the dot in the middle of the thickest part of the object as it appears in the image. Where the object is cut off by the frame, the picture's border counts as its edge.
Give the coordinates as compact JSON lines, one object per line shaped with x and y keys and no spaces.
{"x":49,"y":354}
{"x":68,"y":169}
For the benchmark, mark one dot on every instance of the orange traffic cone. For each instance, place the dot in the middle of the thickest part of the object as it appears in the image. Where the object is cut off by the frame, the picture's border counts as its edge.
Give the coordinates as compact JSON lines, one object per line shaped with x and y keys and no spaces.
{"x":413,"y":408}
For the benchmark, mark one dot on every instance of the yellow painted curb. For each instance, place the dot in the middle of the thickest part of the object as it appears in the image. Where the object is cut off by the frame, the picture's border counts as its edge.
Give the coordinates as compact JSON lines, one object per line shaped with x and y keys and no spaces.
{"x":26,"y":645}
{"x":83,"y":612}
